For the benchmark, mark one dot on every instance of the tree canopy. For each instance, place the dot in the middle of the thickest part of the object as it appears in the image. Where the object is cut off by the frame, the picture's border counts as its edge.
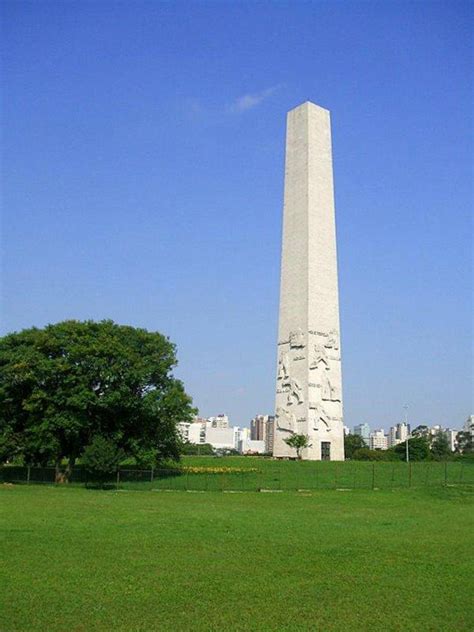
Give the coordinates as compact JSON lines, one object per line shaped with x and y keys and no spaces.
{"x":353,"y":442}
{"x":64,"y":385}
{"x":418,"y":449}
{"x":298,"y":442}
{"x":440,"y":448}
{"x":465,"y":442}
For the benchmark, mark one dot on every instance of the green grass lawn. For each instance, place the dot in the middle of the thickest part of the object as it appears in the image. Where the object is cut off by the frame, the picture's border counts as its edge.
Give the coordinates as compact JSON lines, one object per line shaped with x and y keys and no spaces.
{"x":253,"y":473}
{"x":82,"y":560}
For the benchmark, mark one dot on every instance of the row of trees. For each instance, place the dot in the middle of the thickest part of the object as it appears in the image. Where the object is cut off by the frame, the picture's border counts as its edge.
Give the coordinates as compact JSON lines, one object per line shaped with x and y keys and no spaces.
{"x":75,"y":390}
{"x":421,"y":447}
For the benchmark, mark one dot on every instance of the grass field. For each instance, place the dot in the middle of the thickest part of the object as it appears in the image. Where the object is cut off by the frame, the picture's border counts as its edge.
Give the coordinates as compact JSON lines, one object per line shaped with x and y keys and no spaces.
{"x":253,"y":473}
{"x":83,"y":560}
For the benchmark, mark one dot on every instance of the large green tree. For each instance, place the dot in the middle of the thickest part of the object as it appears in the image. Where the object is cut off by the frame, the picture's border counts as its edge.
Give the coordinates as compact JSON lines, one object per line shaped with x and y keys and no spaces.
{"x":440,"y":448}
{"x":465,"y":442}
{"x":63,"y":385}
{"x":353,"y":442}
{"x":418,"y":449}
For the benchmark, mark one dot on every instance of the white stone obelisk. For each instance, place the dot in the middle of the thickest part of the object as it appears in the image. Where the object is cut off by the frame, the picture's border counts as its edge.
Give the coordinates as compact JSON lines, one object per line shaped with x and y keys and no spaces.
{"x":308,"y":385}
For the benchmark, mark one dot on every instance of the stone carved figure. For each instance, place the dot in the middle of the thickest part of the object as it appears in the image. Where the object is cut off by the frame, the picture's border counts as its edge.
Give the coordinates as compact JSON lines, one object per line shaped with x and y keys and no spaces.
{"x":320,"y":416}
{"x":283,"y":363}
{"x":329,"y":392}
{"x":294,"y":392}
{"x":333,"y":340}
{"x":320,"y":357}
{"x":297,"y":339}
{"x":286,"y":420}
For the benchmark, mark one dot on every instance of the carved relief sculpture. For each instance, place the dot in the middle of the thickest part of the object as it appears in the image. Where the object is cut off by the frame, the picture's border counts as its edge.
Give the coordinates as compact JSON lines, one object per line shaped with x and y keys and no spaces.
{"x":297,"y":339}
{"x":283,"y":367}
{"x":286,"y":420}
{"x":333,"y":340}
{"x":320,"y":357}
{"x":321,"y":416}
{"x":329,"y":392}
{"x":294,"y":392}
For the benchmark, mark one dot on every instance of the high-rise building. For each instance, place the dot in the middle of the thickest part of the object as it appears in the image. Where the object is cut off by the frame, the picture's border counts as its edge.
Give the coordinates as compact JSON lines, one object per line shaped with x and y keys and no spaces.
{"x":363,"y":430}
{"x":262,"y":429}
{"x":451,"y":436}
{"x":257,"y":427}
{"x":392,"y":437}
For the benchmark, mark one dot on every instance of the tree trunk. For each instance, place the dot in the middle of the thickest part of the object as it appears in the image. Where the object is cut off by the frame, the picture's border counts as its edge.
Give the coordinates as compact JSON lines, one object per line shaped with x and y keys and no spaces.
{"x":58,"y":473}
{"x":62,"y":476}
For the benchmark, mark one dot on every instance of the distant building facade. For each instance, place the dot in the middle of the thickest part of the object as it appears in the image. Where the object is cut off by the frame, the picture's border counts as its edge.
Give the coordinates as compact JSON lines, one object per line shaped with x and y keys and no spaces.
{"x":262,"y":428}
{"x":219,"y":421}
{"x":378,"y":440}
{"x":217,"y":432}
{"x":363,"y":430}
{"x":398,"y":434}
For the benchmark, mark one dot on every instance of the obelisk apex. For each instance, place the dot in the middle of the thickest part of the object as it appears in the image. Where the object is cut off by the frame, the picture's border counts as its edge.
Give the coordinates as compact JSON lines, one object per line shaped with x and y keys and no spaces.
{"x":308,"y":385}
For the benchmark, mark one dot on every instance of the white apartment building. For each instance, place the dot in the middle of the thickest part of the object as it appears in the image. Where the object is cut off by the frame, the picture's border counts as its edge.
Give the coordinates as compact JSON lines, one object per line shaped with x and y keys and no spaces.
{"x":220,"y":438}
{"x":378,"y":440}
{"x":398,"y":434}
{"x":219,"y":421}
{"x":251,"y":446}
{"x":452,"y":438}
{"x":197,"y":432}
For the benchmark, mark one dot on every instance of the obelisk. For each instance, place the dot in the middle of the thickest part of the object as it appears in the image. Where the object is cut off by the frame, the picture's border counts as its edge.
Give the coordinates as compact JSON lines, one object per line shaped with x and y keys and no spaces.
{"x":308,"y":384}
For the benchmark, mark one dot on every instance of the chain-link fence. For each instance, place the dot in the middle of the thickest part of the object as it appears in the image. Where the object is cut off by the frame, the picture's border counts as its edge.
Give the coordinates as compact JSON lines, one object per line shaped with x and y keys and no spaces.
{"x":270,"y":476}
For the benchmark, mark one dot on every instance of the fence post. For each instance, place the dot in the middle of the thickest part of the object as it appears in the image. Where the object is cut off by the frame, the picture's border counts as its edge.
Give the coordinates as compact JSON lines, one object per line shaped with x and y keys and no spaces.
{"x":373,"y":475}
{"x":118,"y":479}
{"x":445,"y":473}
{"x":28,"y":474}
{"x":409,"y":474}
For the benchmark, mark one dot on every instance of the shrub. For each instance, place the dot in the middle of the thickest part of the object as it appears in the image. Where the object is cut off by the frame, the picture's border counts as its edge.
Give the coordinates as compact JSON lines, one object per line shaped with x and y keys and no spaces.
{"x":366,"y":454}
{"x":101,"y":458}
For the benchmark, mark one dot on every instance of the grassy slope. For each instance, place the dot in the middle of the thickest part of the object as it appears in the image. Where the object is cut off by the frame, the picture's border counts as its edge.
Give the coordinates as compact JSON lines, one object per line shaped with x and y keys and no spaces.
{"x":83,"y":560}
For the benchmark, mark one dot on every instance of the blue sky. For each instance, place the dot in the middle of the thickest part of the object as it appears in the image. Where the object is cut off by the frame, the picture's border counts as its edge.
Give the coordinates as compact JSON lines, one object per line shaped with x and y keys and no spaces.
{"x":143,"y":152}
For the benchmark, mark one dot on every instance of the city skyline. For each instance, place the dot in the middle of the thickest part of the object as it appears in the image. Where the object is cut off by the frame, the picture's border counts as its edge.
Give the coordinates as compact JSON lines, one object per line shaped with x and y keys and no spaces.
{"x":143,"y":160}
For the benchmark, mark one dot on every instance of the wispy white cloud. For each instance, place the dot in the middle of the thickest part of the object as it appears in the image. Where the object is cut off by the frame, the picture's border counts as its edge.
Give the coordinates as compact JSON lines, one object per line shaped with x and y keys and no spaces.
{"x":249,"y":101}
